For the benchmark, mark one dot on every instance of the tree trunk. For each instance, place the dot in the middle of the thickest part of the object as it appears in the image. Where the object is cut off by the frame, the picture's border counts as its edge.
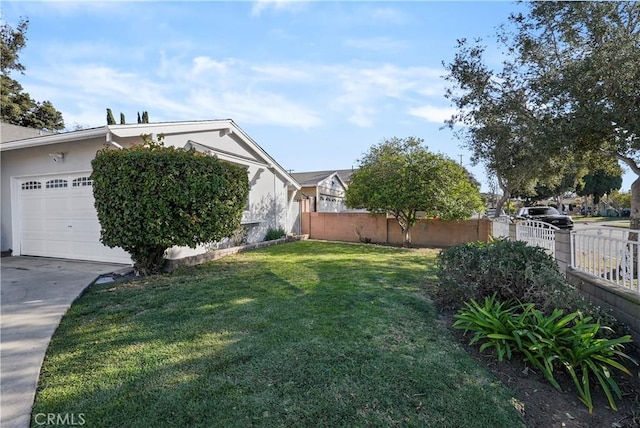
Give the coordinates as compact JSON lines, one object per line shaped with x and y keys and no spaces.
{"x":634,"y":220}
{"x":505,"y":196}
{"x":406,"y":237}
{"x":634,"y":226}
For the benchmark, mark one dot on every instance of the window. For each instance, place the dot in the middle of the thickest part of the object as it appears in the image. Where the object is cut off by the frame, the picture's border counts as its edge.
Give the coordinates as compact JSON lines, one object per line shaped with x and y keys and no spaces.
{"x":57,"y":183}
{"x":82,"y":181}
{"x":30,"y":185}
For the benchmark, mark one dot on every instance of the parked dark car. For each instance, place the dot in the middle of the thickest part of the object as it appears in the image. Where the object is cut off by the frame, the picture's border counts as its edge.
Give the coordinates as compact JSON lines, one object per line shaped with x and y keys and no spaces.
{"x":547,"y":215}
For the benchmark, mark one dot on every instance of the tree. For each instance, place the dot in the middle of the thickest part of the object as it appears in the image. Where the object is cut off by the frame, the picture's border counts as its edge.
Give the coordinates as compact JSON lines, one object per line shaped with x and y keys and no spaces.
{"x":584,"y":67}
{"x":150,"y":198}
{"x":599,"y":183}
{"x":122,"y":119}
{"x":499,"y":125}
{"x":110,"y":119}
{"x":619,"y":200}
{"x":17,"y":106}
{"x":145,"y":117}
{"x":401,"y":177}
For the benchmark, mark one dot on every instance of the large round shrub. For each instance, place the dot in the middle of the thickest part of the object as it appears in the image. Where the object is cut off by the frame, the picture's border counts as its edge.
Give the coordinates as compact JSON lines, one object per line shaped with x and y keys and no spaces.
{"x":150,"y":198}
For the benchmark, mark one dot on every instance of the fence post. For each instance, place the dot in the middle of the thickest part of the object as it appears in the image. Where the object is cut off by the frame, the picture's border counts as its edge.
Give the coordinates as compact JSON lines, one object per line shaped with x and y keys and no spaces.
{"x":563,"y":250}
{"x":512,"y":232}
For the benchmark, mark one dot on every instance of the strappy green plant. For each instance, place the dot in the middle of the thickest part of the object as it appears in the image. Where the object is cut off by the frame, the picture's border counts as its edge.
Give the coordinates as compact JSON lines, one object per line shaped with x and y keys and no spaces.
{"x":492,"y":323}
{"x":572,"y":342}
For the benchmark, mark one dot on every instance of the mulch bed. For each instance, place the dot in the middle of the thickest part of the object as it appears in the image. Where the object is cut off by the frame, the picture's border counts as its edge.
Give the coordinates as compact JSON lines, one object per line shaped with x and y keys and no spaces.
{"x":542,"y":406}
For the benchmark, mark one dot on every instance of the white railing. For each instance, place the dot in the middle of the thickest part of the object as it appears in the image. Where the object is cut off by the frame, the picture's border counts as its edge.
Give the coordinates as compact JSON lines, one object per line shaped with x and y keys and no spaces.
{"x":607,"y":253}
{"x":537,"y":234}
{"x":500,"y":227}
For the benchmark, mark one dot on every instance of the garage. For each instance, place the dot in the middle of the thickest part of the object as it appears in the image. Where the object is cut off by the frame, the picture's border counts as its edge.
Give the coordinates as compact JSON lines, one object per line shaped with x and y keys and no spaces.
{"x":57,"y":219}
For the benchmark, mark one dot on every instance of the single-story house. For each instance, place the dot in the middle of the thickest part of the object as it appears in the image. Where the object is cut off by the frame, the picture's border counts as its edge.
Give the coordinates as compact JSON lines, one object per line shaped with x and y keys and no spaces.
{"x":325,"y":189}
{"x":47,"y":199}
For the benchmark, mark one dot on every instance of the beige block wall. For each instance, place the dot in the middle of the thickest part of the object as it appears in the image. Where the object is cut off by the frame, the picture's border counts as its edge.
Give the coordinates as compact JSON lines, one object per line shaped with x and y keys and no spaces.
{"x":623,"y":303}
{"x":377,"y":228}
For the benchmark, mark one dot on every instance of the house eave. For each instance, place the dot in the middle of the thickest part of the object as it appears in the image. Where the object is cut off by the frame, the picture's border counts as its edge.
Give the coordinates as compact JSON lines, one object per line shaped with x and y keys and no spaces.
{"x":64,"y":137}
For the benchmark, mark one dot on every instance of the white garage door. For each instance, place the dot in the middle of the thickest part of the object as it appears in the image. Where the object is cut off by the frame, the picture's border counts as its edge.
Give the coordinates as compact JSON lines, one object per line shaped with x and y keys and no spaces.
{"x":58,"y":219}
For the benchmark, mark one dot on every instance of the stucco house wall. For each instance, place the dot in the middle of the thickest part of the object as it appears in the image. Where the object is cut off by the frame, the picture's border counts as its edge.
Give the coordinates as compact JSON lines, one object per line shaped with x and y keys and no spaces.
{"x":35,"y":161}
{"x":270,"y":202}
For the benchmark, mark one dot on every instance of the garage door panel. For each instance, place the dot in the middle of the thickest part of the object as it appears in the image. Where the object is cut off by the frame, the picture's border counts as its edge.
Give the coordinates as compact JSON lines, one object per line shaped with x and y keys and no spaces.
{"x":32,"y":207}
{"x":58,"y":221}
{"x":86,"y":226}
{"x":33,"y":245}
{"x":56,"y":209}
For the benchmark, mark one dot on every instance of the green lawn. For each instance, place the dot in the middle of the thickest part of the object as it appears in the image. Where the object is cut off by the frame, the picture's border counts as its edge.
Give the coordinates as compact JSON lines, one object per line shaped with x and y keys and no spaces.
{"x":303,"y":334}
{"x":619,"y":222}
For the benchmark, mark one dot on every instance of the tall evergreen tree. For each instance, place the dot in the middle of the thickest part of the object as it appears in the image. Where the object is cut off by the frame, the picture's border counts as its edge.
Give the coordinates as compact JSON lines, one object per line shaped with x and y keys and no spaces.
{"x":110,"y":119}
{"x":122,"y":120}
{"x":17,"y":107}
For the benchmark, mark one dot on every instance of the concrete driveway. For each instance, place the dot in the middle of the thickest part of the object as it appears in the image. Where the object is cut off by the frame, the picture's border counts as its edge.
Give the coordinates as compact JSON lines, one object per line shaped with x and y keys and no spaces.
{"x":36,"y":292}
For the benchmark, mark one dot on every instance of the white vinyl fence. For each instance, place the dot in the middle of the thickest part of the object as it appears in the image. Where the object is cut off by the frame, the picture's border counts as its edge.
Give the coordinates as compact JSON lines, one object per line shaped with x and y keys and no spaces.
{"x":500,"y":227}
{"x":608,"y":253}
{"x":537,"y":234}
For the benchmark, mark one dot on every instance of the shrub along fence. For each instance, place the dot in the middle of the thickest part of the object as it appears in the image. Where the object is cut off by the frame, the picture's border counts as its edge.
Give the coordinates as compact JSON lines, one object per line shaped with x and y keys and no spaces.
{"x":381,"y":229}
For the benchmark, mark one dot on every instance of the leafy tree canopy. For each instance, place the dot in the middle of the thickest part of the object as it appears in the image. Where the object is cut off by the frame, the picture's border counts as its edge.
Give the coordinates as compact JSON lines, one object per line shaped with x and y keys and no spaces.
{"x":568,"y":87}
{"x":17,"y":107}
{"x":583,"y":63}
{"x":599,"y":183}
{"x":401,"y":177}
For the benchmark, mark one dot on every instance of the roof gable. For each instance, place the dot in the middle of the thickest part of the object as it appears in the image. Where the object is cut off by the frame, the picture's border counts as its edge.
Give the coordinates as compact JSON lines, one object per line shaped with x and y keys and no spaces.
{"x":112,"y":133}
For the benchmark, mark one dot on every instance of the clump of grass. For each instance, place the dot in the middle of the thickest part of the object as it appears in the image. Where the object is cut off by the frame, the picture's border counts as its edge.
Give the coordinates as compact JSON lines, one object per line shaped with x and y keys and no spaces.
{"x":303,"y":334}
{"x":273,"y":234}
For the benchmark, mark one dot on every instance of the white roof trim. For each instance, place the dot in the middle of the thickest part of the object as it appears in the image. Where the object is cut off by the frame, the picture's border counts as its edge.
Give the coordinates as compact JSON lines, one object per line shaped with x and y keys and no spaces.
{"x":334,"y":175}
{"x":55,"y":138}
{"x":168,"y":128}
{"x":226,"y":156}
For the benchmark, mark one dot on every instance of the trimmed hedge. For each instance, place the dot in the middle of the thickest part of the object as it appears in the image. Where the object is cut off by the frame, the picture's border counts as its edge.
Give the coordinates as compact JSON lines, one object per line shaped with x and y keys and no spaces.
{"x":150,"y":198}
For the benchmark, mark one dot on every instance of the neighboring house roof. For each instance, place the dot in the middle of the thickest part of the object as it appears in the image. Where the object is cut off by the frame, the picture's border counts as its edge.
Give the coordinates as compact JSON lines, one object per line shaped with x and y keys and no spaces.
{"x":10,"y":132}
{"x":112,"y":132}
{"x":308,"y":179}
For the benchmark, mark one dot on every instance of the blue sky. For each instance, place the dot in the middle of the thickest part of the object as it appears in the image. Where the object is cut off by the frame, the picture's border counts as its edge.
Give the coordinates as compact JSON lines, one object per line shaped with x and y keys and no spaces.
{"x":314,"y":83}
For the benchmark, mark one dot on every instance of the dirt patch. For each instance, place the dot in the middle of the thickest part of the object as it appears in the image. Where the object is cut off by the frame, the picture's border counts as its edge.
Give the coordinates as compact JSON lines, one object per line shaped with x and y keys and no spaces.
{"x":542,"y":406}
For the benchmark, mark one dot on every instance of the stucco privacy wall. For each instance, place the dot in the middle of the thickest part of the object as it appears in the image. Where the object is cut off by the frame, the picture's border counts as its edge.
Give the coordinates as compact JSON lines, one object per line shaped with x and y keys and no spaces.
{"x":377,"y":228}
{"x":35,"y":161}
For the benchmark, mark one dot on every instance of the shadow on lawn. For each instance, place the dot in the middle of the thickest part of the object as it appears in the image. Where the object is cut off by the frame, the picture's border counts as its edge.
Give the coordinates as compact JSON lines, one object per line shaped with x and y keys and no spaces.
{"x":337,"y":338}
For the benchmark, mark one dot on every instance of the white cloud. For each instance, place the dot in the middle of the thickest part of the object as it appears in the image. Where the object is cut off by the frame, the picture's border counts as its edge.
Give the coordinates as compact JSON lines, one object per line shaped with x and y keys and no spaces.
{"x":388,"y":15}
{"x":433,"y":113}
{"x":362,"y":116}
{"x":375,"y":44}
{"x":203,"y":64}
{"x":294,"y":94}
{"x":263,"y":108}
{"x":260,"y":6}
{"x":286,"y":73}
